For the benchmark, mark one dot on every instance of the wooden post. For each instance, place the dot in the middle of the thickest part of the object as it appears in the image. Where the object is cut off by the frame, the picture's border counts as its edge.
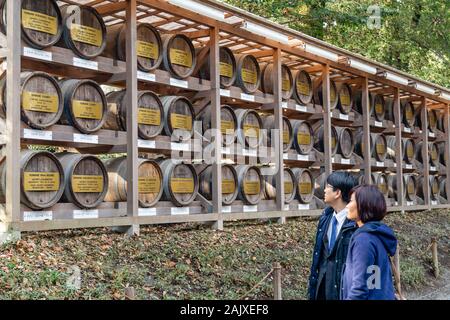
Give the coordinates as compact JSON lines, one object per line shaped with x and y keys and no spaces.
{"x":396,"y":271}
{"x":425,"y":154}
{"x":447,"y":149}
{"x":277,"y":295}
{"x":216,"y":125}
{"x":366,"y":131}
{"x":435,"y":257}
{"x":398,"y":146}
{"x":327,"y":158}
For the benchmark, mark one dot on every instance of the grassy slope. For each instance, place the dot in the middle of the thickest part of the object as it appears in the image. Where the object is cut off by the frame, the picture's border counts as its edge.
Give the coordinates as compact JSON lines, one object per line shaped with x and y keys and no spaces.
{"x":191,"y":261}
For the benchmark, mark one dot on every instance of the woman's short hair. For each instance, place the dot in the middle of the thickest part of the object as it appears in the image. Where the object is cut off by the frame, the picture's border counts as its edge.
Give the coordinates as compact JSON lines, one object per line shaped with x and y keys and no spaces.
{"x":370,"y":202}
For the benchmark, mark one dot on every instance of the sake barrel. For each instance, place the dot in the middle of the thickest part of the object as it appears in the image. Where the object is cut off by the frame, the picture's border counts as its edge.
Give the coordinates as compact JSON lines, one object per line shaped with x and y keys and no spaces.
{"x":248,"y":73}
{"x":288,"y":137}
{"x":441,"y":149}
{"x":303,"y":87}
{"x":150,"y":113}
{"x":440,"y":122}
{"x":148,"y":45}
{"x":290,"y":186}
{"x":180,"y":183}
{"x":250,"y":184}
{"x":227,"y":66}
{"x":333,"y":95}
{"x":433,"y":153}
{"x":85,"y":105}
{"x":346,"y":142}
{"x":84,"y":31}
{"x":41,"y":179}
{"x":432,"y":119}
{"x":249,"y":128}
{"x":380,"y":180}
{"x":408,"y":149}
{"x":287,"y":81}
{"x":362,"y":178}
{"x":305,"y":185}
{"x":378,"y":145}
{"x":345,"y":99}
{"x":229,"y":184}
{"x":178,"y":117}
{"x":443,"y":188}
{"x":303,"y":140}
{"x":86,"y":179}
{"x":41,"y":101}
{"x":40,"y":24}
{"x":408,"y":115}
{"x":228,"y":123}
{"x":179,"y":57}
{"x":409,"y":185}
{"x":319,"y":186}
{"x":149,"y":184}
{"x":319,"y":142}
{"x":377,"y":105}
{"x":359,"y":144}
{"x":433,"y":185}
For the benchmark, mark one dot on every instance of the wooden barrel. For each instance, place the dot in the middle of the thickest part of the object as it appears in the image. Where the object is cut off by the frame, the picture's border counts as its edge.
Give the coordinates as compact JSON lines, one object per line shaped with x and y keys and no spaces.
{"x":440,"y":122}
{"x":229,"y":184}
{"x":150,"y":113}
{"x":250,"y":184}
{"x":148,"y":45}
{"x":443,"y":188}
{"x":249,"y":128}
{"x":333,"y":95}
{"x":40,"y":24}
{"x":378,"y":145}
{"x":179,"y":117}
{"x":248,"y":73}
{"x":41,"y":179}
{"x":149,"y":184}
{"x":409,"y":186}
{"x":380,"y":180}
{"x":41,"y":103}
{"x":433,"y":185}
{"x":442,"y":155}
{"x":362,"y":178}
{"x":84,"y":31}
{"x":228,"y":123}
{"x":319,"y":186}
{"x":288,"y":137}
{"x":267,"y":80}
{"x":319,"y":139}
{"x":85,"y":105}
{"x":86,"y":179}
{"x":179,"y":57}
{"x":377,"y":105}
{"x":303,"y":140}
{"x":290,"y":186}
{"x":305,"y":185}
{"x":227,"y":66}
{"x":180,"y":182}
{"x":433,"y":153}
{"x":408,"y":149}
{"x":345,"y":99}
{"x":346,"y":142}
{"x":408,"y":115}
{"x":303,"y":87}
{"x":432,"y":120}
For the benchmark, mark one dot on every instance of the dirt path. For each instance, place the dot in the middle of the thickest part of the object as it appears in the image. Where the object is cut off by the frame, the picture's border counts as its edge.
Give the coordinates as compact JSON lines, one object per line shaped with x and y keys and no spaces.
{"x":438,"y":289}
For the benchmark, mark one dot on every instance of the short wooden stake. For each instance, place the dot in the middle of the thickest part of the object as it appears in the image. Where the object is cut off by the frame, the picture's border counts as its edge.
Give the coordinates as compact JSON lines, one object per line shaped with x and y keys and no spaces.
{"x":130,"y":293}
{"x":435,"y":257}
{"x":277,"y":281}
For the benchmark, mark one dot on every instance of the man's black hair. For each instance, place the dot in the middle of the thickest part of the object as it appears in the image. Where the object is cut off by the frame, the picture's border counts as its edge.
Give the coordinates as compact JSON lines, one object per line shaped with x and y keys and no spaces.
{"x":343,"y":181}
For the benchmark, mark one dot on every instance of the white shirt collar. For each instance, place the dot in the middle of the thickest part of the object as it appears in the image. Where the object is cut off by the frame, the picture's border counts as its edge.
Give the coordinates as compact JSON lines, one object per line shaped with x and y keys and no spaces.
{"x":341,"y":216}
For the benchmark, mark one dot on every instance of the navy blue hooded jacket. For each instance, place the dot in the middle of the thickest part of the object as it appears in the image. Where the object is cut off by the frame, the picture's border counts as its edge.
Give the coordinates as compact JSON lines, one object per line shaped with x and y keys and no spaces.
{"x":367,"y":271}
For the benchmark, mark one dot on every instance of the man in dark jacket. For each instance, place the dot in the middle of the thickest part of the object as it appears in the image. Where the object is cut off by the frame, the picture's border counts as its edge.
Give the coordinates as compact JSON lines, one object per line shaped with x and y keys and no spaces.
{"x":332,"y":239}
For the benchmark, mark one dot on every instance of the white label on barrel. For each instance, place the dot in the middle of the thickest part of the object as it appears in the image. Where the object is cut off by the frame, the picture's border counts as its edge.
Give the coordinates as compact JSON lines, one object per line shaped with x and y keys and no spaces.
{"x":37,"y":134}
{"x":37,"y":54}
{"x":432,"y":135}
{"x":286,"y":207}
{"x":407,"y":129}
{"x":85,"y":214}
{"x":251,"y":153}
{"x":433,"y":168}
{"x":345,"y":161}
{"x":146,"y":76}
{"x":380,"y":164}
{"x":179,"y":83}
{"x":179,"y":211}
{"x":303,"y":207}
{"x":409,"y":166}
{"x":334,"y":160}
{"x":301,"y":157}
{"x":146,"y":144}
{"x":226,"y":150}
{"x":378,"y":124}
{"x":180,"y":146}
{"x":434,"y":202}
{"x":285,"y":156}
{"x":343,"y":116}
{"x":250,"y":208}
{"x":395,"y":165}
{"x":247,"y":97}
{"x":37,"y":215}
{"x":409,"y":203}
{"x":85,"y":138}
{"x":396,"y":203}
{"x":147,"y":212}
{"x":86,"y":64}
{"x":226,"y":209}
{"x":225,"y":93}
{"x":284,"y":105}
{"x":300,"y":108}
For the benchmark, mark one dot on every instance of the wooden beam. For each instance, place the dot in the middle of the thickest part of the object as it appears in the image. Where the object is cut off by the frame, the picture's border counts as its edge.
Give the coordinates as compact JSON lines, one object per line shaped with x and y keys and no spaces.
{"x":447,"y":149}
{"x":328,"y":161}
{"x":425,"y":153}
{"x":111,"y":8}
{"x":366,"y":131}
{"x":398,"y":146}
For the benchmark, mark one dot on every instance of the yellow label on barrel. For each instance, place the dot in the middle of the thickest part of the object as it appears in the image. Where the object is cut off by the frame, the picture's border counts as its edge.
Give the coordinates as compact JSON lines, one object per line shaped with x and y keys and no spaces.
{"x":87,"y":109}
{"x":182,"y":185}
{"x":379,"y":109}
{"x":252,"y":187}
{"x":181,"y":57}
{"x":228,"y":186}
{"x":149,"y":185}
{"x":410,"y":151}
{"x":288,"y":187}
{"x":86,"y":34}
{"x":86,"y":183}
{"x":226,"y":70}
{"x":434,"y":154}
{"x":303,"y":88}
{"x":40,"y":181}
{"x":151,"y":117}
{"x":181,"y":121}
{"x":382,"y":187}
{"x":332,"y":95}
{"x":380,"y":148}
{"x":251,"y":130}
{"x":41,"y":102}
{"x":249,"y":76}
{"x":40,"y":22}
{"x":226,"y":126}
{"x":305,"y":188}
{"x":333,"y":142}
{"x":286,"y":137}
{"x":286,"y":85}
{"x":435,"y":188}
{"x":303,"y":138}
{"x":409,"y":114}
{"x":148,"y":50}
{"x":345,"y":99}
{"x":411,"y":188}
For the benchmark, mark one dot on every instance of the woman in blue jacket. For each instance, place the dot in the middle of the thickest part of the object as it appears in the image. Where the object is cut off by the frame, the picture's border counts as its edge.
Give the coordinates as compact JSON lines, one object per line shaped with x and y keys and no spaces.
{"x":367,"y":272}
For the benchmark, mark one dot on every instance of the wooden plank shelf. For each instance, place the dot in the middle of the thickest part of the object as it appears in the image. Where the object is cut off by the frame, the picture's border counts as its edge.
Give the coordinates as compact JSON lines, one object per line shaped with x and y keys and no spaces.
{"x":293,"y":158}
{"x":161,"y":81}
{"x":234,"y":96}
{"x":340,"y":162}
